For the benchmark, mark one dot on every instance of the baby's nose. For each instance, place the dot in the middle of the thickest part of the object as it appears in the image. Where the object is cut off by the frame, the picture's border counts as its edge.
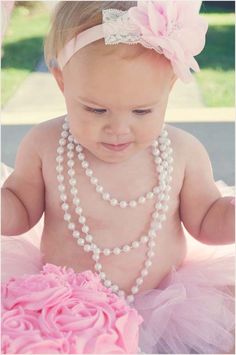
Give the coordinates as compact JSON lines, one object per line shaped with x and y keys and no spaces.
{"x":118,"y":127}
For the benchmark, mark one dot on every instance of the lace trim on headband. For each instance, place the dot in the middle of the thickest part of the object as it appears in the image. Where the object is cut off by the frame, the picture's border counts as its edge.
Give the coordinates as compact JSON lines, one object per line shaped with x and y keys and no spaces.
{"x":118,"y":29}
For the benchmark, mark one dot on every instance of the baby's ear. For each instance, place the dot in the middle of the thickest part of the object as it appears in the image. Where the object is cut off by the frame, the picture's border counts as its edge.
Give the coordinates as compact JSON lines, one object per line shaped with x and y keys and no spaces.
{"x":57,"y":73}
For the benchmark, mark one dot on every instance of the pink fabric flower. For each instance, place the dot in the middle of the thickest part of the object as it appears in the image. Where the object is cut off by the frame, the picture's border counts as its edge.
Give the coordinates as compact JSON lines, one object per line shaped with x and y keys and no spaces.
{"x":59,"y":311}
{"x":173,"y":28}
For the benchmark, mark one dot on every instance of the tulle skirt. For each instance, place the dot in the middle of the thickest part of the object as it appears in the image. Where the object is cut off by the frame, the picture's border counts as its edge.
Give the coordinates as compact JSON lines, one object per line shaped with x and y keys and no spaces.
{"x":192,"y":309}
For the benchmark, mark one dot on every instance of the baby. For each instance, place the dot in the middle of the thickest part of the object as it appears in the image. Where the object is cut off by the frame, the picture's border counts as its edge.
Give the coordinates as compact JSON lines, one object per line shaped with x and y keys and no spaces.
{"x":114,"y":182}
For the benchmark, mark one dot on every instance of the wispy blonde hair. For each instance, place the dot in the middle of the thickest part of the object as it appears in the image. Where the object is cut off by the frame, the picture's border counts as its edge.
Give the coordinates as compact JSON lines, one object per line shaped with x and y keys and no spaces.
{"x":72,"y":17}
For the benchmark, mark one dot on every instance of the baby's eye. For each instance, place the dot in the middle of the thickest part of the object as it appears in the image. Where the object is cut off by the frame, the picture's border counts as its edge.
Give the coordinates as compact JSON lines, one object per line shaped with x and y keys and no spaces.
{"x":95,"y":110}
{"x":142,"y":112}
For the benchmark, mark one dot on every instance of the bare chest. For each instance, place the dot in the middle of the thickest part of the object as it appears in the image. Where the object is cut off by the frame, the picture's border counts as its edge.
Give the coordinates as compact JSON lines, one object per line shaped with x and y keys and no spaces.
{"x":114,"y":227}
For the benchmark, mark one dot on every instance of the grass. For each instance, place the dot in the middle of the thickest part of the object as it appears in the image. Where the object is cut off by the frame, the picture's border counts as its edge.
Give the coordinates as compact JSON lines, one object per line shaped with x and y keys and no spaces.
{"x":217,"y":61}
{"x":22,"y":46}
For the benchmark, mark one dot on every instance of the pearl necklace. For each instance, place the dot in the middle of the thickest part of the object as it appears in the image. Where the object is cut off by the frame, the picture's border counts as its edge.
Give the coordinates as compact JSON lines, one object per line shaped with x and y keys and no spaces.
{"x":162,"y":154}
{"x":107,"y":196}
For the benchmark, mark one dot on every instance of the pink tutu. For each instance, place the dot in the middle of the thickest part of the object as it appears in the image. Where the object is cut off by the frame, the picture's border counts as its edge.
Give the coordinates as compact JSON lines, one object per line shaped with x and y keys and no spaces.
{"x":192,"y":309}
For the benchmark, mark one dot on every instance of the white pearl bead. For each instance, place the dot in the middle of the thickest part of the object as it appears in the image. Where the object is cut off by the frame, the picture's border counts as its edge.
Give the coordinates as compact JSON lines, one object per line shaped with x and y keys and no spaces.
{"x":70,"y":146}
{"x":102,"y":275}
{"x":81,"y":156}
{"x":59,"y":168}
{"x":116,"y":251}
{"x":84,"y":164}
{"x":85,"y":229}
{"x":106,"y":251}
{"x":121,"y":293}
{"x":99,"y":188}
{"x":134,"y":289}
{"x":71,"y":138}
{"x":162,"y":217}
{"x":63,"y":197}
{"x":74,"y":191}
{"x":126,"y":248}
{"x":139,"y":281}
{"x":144,"y":272}
{"x":150,"y":254}
{"x":65,"y":126}
{"x":62,"y":141}
{"x":87,"y":248}
{"x":113,"y":202}
{"x":94,"y":180}
{"x":67,"y":216}
{"x":114,"y":288}
{"x":72,"y":182}
{"x":76,"y":201}
{"x":144,"y":239}
{"x":105,"y":196}
{"x":60,"y":178}
{"x":155,"y":215}
{"x":135,"y":244}
{"x":71,"y":172}
{"x":65,"y":206}
{"x":88,"y":172}
{"x":78,"y":210}
{"x":130,"y":298}
{"x":64,"y":134}
{"x":152,"y":233}
{"x":70,"y":163}
{"x":156,"y":190}
{"x":89,"y":238}
{"x":148,"y":263}
{"x":98,"y":267}
{"x":82,"y":219}
{"x":141,"y":200}
{"x":158,"y":160}
{"x":107,"y":283}
{"x":79,"y":148}
{"x":59,"y":159}
{"x":76,"y":234}
{"x":151,"y":244}
{"x":123,"y":204}
{"x":60,"y":150}
{"x":95,"y":257}
{"x":80,"y":241}
{"x":132,"y":203}
{"x":71,"y":226}
{"x":155,"y":143}
{"x":150,"y":195}
{"x":70,"y":154}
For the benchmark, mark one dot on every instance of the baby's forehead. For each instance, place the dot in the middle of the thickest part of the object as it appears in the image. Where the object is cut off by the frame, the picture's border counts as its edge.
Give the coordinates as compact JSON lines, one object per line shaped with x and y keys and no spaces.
{"x":100,"y":54}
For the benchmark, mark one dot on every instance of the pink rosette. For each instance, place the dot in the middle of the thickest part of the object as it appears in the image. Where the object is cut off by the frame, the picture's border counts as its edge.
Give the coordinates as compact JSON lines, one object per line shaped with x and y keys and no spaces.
{"x":59,"y":311}
{"x":173,"y":28}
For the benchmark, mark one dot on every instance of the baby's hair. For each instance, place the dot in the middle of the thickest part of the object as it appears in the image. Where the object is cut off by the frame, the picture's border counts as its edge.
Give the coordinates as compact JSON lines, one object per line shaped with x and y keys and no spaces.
{"x":72,"y":17}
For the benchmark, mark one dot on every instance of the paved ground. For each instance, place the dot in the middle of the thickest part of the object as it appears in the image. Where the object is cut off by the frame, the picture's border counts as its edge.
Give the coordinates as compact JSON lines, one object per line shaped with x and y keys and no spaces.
{"x":39,"y":99}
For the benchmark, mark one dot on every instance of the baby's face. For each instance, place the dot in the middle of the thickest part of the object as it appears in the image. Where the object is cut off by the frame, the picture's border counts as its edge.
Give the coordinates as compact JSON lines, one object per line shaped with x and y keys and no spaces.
{"x":116,"y":105}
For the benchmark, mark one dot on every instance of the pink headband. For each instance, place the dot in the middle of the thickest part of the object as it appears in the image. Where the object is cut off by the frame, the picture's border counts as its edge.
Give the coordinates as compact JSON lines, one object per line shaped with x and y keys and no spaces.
{"x":172,"y":28}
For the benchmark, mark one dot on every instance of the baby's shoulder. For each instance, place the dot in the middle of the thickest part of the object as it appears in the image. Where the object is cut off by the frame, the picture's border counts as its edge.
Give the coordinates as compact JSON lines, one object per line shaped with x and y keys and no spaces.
{"x":45,"y":134}
{"x":183,"y":142}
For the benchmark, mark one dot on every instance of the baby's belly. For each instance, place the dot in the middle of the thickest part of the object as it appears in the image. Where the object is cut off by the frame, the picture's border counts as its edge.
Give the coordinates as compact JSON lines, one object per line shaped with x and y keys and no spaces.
{"x":60,"y":248}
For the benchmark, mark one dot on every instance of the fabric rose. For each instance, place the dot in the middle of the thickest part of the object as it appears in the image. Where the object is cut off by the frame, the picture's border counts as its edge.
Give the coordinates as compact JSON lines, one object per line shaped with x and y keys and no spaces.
{"x":173,"y":28}
{"x":59,"y":311}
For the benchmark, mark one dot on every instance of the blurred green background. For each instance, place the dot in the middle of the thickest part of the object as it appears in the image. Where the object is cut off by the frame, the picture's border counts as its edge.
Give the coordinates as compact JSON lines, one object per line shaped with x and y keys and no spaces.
{"x":23,"y":48}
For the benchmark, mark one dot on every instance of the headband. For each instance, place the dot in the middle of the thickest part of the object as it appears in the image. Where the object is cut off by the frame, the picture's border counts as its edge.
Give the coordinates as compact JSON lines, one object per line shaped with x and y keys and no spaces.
{"x":173,"y":28}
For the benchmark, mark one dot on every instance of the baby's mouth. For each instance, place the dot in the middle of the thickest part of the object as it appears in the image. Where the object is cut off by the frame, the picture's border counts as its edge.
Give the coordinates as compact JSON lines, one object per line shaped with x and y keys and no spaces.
{"x":116,"y":147}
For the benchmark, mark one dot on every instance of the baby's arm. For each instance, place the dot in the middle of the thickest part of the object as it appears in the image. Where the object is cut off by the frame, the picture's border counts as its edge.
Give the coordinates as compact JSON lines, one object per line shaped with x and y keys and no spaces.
{"x":23,"y":191}
{"x":206,"y":215}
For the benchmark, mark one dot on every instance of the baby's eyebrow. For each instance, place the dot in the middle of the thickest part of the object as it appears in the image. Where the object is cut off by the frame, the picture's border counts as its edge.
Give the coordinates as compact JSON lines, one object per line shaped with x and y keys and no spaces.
{"x":133,"y":106}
